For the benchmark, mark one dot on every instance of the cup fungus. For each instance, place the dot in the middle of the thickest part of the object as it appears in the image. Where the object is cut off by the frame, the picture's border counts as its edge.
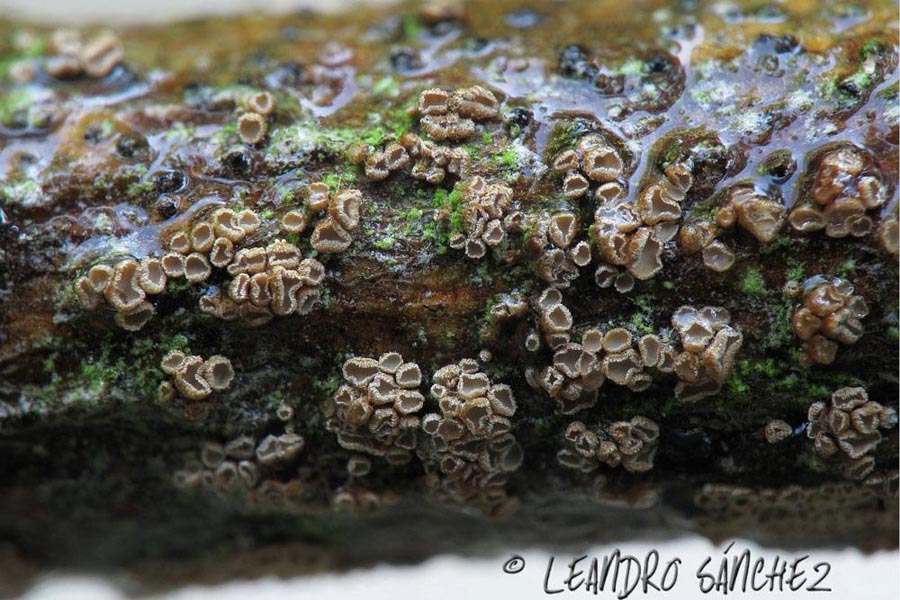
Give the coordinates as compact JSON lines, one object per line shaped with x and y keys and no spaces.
{"x":580,"y":369}
{"x":202,"y":237}
{"x":329,"y":237}
{"x":173,"y":264}
{"x":846,"y":430}
{"x":124,"y":291}
{"x":630,"y":444}
{"x":358,"y":465}
{"x":344,"y":208}
{"x":759,"y":215}
{"x":152,"y":276}
{"x":710,"y":346}
{"x":319,"y":196}
{"x":475,"y":102}
{"x":189,"y":379}
{"x":194,"y":378}
{"x":562,"y":230}
{"x":445,"y":116}
{"x":165,"y":392}
{"x":468,"y":450}
{"x":249,"y":261}
{"x":100,"y":55}
{"x":87,"y":295}
{"x":172,"y":362}
{"x":602,"y":163}
{"x":829,"y":313}
{"x":217,"y":371}
{"x":262,"y":103}
{"x":99,"y":277}
{"x":248,"y":221}
{"x":718,"y":257}
{"x":279,"y":449}
{"x":889,"y":234}
{"x":252,"y":128}
{"x":575,"y":185}
{"x":133,"y":319}
{"x":294,"y":221}
{"x":222,"y":253}
{"x":196,"y":267}
{"x":376,"y":410}
{"x":811,"y":508}
{"x":483,"y":212}
{"x":69,"y":57}
{"x":179,"y":241}
{"x":434,"y":101}
{"x":845,"y":184}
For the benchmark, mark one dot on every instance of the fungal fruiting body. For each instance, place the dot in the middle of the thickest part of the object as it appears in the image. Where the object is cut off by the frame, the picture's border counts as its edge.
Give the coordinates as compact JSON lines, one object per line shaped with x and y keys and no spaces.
{"x":630,"y":444}
{"x":846,"y":430}
{"x":194,"y":378}
{"x":830,"y":313}
{"x":377,"y":409}
{"x":469,"y":450}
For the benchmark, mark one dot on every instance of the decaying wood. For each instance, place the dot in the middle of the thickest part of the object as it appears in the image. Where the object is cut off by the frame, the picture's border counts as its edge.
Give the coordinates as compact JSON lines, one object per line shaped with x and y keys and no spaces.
{"x":552,"y":128}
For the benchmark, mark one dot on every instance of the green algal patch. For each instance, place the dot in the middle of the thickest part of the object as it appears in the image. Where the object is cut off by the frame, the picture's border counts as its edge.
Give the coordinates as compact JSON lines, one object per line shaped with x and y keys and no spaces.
{"x":14,"y":102}
{"x":632,"y":66}
{"x":98,"y":374}
{"x":430,"y":233}
{"x":25,"y":193}
{"x":380,"y":127}
{"x":736,"y":387}
{"x":413,"y":215}
{"x":451,"y":203}
{"x":179,"y":132}
{"x":846,"y":267}
{"x":795,"y":273}
{"x":412,"y":27}
{"x":848,"y":88}
{"x":780,"y":333}
{"x":753,"y":283}
{"x":763,"y":379}
{"x":777,"y":246}
{"x":37,"y":47}
{"x":641,"y":324}
{"x":563,"y":136}
{"x":507,"y":158}
{"x":642,"y":320}
{"x":386,"y":87}
{"x":817,"y":391}
{"x":705,"y":211}
{"x":139,"y":363}
{"x":873,"y":48}
{"x":226,"y":135}
{"x":385,"y":243}
{"x":339,"y":181}
{"x":292,"y":238}
{"x":474,"y":153}
{"x":176,"y":286}
{"x":140,"y":187}
{"x":293,"y":144}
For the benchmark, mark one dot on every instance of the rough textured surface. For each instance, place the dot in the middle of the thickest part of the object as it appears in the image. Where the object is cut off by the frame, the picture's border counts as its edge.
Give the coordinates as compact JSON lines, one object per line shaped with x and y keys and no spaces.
{"x":739,"y":114}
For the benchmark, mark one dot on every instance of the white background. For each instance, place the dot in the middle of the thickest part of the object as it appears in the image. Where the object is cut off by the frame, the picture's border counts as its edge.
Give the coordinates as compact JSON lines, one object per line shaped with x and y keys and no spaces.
{"x":853,"y":576}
